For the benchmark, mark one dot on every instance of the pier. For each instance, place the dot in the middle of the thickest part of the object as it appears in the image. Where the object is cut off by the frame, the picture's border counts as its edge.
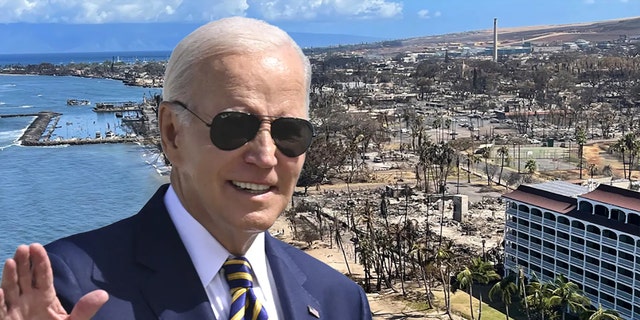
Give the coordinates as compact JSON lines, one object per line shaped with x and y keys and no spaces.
{"x":41,"y":128}
{"x":117,"y":107}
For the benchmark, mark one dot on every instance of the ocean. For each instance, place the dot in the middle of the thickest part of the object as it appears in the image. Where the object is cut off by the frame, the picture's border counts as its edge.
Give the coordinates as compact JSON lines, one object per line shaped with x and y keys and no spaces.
{"x":85,"y":57}
{"x":51,"y":192}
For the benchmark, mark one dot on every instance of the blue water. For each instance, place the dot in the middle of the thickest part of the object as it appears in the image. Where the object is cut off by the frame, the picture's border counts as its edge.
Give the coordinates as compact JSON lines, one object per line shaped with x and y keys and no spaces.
{"x":50,"y":192}
{"x":84,"y":57}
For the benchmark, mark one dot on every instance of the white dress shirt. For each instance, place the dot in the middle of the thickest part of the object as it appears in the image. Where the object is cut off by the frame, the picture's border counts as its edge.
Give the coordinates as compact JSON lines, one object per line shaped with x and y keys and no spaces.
{"x":208,"y":256}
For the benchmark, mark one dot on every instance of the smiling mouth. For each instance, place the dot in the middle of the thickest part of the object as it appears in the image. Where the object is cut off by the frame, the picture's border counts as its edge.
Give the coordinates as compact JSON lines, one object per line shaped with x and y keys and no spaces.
{"x":251,"y":187}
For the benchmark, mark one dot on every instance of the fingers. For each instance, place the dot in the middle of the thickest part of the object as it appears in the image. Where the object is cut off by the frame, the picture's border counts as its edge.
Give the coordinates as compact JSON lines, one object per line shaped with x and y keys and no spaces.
{"x":23,"y":264}
{"x":89,"y":304}
{"x":3,"y":306}
{"x":41,"y":267}
{"x":10,"y":282}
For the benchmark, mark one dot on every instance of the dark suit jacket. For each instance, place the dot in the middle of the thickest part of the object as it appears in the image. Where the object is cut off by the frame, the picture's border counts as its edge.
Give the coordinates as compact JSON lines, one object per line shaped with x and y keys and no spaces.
{"x":143,"y":265}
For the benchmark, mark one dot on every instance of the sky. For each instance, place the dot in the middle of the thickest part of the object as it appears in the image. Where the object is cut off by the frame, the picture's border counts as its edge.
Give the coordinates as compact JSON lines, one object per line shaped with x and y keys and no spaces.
{"x":380,"y":19}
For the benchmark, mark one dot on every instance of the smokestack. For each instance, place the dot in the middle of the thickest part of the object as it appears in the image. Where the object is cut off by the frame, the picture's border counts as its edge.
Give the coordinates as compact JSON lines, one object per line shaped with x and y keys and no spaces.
{"x":495,"y":39}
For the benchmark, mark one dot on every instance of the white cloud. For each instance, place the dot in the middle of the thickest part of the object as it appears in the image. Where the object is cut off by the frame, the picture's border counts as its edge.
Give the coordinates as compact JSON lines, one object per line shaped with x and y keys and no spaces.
{"x":102,"y":11}
{"x":426,"y":14}
{"x":310,"y":9}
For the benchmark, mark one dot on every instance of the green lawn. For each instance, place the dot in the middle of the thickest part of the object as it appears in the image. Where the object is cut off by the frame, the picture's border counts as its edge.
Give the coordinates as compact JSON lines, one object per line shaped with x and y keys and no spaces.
{"x":460,"y":306}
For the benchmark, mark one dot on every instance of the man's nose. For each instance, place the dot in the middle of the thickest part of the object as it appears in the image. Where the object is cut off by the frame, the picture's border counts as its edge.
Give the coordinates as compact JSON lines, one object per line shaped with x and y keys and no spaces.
{"x":262,"y":149}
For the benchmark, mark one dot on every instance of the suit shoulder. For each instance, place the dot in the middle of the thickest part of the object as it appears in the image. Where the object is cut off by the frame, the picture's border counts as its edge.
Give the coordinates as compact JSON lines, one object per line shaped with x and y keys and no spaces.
{"x":97,"y":239}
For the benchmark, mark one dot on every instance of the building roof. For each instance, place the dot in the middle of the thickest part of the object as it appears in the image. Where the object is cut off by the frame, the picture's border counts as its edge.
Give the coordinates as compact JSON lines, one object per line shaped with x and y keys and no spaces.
{"x":541,"y":198}
{"x":548,"y":196}
{"x":619,"y":197}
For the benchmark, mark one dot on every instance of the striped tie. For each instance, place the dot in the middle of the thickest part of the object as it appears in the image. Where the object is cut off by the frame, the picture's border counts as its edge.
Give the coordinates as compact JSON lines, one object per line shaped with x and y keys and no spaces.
{"x":244,"y":304}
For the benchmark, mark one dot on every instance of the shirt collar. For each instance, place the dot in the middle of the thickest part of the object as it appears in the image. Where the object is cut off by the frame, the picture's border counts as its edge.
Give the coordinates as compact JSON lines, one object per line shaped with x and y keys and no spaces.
{"x":206,"y":253}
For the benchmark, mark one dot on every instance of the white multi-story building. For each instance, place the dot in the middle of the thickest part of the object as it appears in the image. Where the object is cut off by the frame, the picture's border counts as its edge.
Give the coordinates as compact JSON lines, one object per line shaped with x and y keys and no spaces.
{"x":591,"y":237}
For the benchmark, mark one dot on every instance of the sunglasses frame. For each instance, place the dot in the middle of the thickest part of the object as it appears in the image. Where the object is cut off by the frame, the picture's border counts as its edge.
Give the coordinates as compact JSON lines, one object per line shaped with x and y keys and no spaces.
{"x":261,"y":118}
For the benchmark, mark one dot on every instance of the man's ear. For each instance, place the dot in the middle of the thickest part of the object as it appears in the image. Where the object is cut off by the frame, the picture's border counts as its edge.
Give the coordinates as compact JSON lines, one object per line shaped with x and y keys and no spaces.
{"x":169,"y":125}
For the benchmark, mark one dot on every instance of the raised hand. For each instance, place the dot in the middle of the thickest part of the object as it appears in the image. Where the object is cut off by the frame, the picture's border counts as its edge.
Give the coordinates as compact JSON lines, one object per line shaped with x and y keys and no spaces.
{"x":27,"y":291}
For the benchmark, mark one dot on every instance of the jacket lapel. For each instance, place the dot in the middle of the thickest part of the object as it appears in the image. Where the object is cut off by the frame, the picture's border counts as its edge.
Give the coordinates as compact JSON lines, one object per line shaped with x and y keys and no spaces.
{"x":295,"y":300}
{"x":171,"y":286}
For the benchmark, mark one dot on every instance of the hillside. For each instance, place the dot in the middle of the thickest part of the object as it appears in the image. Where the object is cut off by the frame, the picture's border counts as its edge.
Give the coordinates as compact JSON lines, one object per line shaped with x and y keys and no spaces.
{"x":609,"y":30}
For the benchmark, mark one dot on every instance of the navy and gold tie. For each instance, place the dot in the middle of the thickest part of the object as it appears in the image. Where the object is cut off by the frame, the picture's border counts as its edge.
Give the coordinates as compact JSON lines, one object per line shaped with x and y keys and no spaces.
{"x":244,"y":304}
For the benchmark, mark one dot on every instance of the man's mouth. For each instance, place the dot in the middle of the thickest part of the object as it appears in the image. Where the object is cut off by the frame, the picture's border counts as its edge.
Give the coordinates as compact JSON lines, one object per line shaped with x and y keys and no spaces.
{"x":251,"y":187}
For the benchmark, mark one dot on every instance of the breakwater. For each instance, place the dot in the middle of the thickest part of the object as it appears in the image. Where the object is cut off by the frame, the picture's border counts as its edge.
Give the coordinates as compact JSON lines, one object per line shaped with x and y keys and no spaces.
{"x":41,"y":128}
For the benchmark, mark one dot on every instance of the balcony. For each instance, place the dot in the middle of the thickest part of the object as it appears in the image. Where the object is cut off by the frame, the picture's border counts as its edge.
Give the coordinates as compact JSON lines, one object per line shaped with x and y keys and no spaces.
{"x":512,"y":225}
{"x":626,"y":263}
{"x":593,"y":236}
{"x":535,"y":233}
{"x":562,"y":242}
{"x":535,"y":247}
{"x":625,"y":280}
{"x":593,"y":284}
{"x":624,"y":296}
{"x":606,"y":304}
{"x":608,"y":273}
{"x":593,"y":252}
{"x":562,"y":227}
{"x":593,"y":268}
{"x":609,"y":258}
{"x":609,"y":290}
{"x":562,"y":271}
{"x":535,"y":261}
{"x":549,"y":223}
{"x":627,"y":314}
{"x":562,"y":257}
{"x":613,"y":243}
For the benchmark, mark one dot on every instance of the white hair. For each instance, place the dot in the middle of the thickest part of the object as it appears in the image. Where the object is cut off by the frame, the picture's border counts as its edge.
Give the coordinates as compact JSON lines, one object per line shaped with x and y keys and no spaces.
{"x":232,"y":35}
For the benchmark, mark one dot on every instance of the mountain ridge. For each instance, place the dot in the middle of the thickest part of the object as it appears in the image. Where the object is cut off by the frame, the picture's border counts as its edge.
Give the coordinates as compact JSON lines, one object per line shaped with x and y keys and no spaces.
{"x":606,"y":30}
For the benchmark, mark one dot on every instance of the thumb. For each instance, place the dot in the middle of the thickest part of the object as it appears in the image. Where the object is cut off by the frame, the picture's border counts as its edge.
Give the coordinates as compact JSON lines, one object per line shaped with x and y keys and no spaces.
{"x":89,"y":304}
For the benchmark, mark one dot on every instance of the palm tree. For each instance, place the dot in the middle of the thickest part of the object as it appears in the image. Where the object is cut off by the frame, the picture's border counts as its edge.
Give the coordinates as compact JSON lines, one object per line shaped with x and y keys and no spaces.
{"x":486,"y":155}
{"x":444,"y":257}
{"x":537,"y":298}
{"x":567,"y":296}
{"x":592,"y":169}
{"x":632,"y":145}
{"x":479,"y":271}
{"x":505,"y":289}
{"x":471,"y":158}
{"x":503,"y":152}
{"x":465,"y":281}
{"x":581,"y":139}
{"x":531,"y":166}
{"x":619,"y":146}
{"x":602,"y":314}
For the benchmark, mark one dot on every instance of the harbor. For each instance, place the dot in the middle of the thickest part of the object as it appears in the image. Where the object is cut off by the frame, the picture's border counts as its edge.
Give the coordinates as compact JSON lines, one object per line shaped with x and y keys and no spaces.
{"x":40,"y":131}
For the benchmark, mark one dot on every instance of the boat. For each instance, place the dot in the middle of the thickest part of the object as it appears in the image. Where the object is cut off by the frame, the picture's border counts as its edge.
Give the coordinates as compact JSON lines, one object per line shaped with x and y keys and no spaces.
{"x":78,"y":102}
{"x":118,"y":114}
{"x":98,"y":135}
{"x":109,"y":134}
{"x":117,"y":107}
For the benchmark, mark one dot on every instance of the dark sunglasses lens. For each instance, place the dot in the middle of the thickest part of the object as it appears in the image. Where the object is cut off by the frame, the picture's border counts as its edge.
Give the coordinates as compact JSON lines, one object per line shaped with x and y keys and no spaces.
{"x":292,"y":136}
{"x":231,"y":130}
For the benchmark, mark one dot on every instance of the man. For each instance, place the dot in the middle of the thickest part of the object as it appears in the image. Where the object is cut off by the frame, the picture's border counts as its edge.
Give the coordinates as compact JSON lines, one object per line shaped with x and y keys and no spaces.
{"x":233,"y":124}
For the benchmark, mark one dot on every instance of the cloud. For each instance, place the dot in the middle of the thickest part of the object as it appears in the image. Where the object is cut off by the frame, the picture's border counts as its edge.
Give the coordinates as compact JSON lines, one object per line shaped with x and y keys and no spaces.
{"x":311,"y":9}
{"x":104,"y":11}
{"x":426,"y":14}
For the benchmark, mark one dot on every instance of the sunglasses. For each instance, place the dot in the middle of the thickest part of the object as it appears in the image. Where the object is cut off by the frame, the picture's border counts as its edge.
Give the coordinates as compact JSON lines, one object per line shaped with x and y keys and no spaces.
{"x":231,"y":130}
